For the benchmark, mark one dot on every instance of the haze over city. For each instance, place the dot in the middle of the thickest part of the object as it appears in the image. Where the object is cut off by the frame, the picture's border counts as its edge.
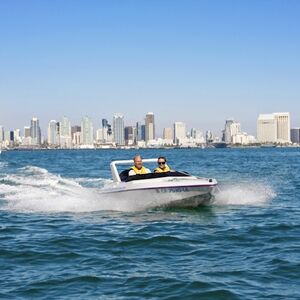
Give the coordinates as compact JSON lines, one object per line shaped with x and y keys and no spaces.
{"x":200,"y":64}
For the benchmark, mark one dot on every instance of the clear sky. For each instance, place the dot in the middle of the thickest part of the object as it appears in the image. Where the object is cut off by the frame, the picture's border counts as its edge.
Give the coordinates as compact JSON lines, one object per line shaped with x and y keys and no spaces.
{"x":194,"y":61}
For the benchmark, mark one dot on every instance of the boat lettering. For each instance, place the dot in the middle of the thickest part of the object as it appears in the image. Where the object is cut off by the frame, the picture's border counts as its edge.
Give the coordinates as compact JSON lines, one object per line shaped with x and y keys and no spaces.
{"x":172,"y":190}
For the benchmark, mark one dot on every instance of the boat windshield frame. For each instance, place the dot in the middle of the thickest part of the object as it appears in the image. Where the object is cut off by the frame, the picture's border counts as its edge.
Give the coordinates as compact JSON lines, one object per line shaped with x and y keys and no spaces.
{"x":155,"y":175}
{"x":117,"y":178}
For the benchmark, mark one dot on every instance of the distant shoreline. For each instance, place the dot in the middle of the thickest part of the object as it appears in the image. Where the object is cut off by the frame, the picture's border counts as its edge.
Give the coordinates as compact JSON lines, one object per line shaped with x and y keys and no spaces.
{"x":146,"y":148}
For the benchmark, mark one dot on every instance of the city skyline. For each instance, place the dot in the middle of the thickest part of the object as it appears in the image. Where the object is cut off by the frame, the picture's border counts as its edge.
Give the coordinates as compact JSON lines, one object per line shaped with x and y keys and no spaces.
{"x":272,"y":128}
{"x":200,"y":63}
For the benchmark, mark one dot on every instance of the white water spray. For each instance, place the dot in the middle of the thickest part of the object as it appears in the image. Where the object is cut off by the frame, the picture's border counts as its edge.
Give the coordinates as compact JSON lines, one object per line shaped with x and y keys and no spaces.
{"x":34,"y":189}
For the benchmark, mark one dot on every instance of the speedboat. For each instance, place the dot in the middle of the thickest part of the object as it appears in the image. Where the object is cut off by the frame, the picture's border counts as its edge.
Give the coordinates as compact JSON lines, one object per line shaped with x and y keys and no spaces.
{"x":170,"y":189}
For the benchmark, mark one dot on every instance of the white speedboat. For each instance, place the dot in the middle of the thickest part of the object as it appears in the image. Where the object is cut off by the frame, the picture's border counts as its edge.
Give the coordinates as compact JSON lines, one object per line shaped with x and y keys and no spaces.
{"x":171,"y":189}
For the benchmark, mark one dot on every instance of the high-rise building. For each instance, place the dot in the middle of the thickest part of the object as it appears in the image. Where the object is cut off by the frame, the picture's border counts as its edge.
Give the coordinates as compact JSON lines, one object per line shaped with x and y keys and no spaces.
{"x":53,"y":133}
{"x":273,"y":128}
{"x":295,"y":135}
{"x":168,"y":133}
{"x":75,"y":129}
{"x":129,"y":135}
{"x":209,"y":137}
{"x":104,"y":134}
{"x":143,"y":130}
{"x":179,"y":132}
{"x":65,"y":133}
{"x":149,"y":127}
{"x":231,"y":129}
{"x":227,"y":131}
{"x":8,"y":136}
{"x":17,"y":136}
{"x":266,"y":128}
{"x":118,"y":129}
{"x":27,"y":132}
{"x":283,"y":127}
{"x":35,"y":132}
{"x":138,"y":132}
{"x":87,"y":132}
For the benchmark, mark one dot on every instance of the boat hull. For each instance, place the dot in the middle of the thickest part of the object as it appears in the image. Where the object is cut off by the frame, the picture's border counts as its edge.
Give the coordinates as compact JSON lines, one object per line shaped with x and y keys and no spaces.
{"x":186,"y":195}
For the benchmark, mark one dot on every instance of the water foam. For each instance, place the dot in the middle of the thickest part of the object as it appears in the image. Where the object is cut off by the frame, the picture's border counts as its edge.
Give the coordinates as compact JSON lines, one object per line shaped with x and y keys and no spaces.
{"x":34,"y":189}
{"x":255,"y":194}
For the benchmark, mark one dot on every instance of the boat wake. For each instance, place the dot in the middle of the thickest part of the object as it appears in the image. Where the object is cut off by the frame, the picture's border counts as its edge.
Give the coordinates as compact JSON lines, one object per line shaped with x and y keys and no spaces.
{"x":34,"y":189}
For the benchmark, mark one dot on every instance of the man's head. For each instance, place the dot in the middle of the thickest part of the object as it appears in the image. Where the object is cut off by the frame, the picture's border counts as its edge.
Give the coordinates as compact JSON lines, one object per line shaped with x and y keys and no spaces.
{"x":138,"y":162}
{"x":161,"y":162}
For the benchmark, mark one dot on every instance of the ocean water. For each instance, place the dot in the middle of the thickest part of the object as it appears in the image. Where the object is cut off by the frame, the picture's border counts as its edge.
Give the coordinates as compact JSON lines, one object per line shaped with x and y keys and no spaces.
{"x":60,"y":239}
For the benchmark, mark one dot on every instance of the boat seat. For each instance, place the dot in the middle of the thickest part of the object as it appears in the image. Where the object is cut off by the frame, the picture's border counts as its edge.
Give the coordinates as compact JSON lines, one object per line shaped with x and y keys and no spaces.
{"x":124,"y":175}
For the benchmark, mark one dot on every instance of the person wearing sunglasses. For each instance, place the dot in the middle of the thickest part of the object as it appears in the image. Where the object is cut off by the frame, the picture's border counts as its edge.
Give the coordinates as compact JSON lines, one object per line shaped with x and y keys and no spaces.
{"x":162,"y":165}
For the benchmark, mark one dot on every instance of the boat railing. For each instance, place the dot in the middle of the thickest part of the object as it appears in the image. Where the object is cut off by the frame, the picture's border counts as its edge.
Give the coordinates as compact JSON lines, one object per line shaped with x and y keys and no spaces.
{"x":114,"y":170}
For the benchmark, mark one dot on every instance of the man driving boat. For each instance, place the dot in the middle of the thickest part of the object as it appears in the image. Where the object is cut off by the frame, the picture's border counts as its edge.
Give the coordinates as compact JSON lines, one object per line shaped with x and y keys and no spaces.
{"x":162,"y":165}
{"x":138,"y":167}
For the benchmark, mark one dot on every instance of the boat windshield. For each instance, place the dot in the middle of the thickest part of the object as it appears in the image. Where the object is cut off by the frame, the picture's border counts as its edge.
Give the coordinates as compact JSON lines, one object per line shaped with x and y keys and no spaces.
{"x":126,"y":178}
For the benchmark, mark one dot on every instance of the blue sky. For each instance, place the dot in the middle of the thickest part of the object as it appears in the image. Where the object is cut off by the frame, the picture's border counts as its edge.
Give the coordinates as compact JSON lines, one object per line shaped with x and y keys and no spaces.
{"x":194,"y":61}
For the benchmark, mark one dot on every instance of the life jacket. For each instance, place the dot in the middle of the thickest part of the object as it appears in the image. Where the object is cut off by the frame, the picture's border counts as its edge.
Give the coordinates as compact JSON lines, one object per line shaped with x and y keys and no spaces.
{"x":137,"y":171}
{"x":165,"y":169}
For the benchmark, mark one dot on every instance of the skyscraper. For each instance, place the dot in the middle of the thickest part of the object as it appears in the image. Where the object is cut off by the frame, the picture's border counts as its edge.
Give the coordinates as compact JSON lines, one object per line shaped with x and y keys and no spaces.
{"x":168,"y":134}
{"x":179,"y":132}
{"x":129,"y":135}
{"x":143,"y":130}
{"x":283,"y":127}
{"x":295,"y":135}
{"x":27,"y":132}
{"x":87,"y":133}
{"x":273,"y":128}
{"x":149,"y":127}
{"x":138,"y":132}
{"x":53,"y":133}
{"x":227,"y":131}
{"x":65,"y":133}
{"x":118,"y":129}
{"x":35,"y":132}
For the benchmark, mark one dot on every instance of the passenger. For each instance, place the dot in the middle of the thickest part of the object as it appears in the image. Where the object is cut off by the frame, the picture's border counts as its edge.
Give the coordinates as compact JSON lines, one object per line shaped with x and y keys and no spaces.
{"x":138,"y":167}
{"x":162,"y":165}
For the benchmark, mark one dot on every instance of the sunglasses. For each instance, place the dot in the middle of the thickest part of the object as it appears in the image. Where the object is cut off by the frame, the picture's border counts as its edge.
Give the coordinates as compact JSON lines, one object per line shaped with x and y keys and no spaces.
{"x":161,"y":162}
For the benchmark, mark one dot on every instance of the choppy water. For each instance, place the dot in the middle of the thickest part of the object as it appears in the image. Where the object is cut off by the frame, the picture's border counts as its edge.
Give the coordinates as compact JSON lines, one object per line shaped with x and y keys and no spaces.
{"x":60,"y":239}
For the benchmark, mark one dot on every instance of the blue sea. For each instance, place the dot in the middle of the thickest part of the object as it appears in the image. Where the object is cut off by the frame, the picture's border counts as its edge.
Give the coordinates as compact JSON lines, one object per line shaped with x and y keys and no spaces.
{"x":60,"y":239}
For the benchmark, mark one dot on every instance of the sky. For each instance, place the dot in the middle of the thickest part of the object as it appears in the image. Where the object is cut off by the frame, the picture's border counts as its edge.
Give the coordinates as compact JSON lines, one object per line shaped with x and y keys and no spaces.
{"x":200,"y":62}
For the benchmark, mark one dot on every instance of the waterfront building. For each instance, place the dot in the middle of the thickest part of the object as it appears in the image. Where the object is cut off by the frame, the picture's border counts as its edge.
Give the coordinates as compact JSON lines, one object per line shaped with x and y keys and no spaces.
{"x":77,"y":138}
{"x":139,"y":132}
{"x":87,"y":132}
{"x":243,"y":139}
{"x":8,"y":136}
{"x":227,"y":131}
{"x":232,"y":128}
{"x":65,"y":137}
{"x":273,"y":128}
{"x":295,"y":135}
{"x":53,"y":133}
{"x":283,"y":127}
{"x":143,"y":129}
{"x":129,"y":135}
{"x":27,"y":131}
{"x":179,"y":132}
{"x":104,"y":134}
{"x":168,"y":134}
{"x":17,"y":136}
{"x":35,"y":132}
{"x":209,"y":137}
{"x":197,"y":136}
{"x":118,"y":129}
{"x":149,"y":127}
